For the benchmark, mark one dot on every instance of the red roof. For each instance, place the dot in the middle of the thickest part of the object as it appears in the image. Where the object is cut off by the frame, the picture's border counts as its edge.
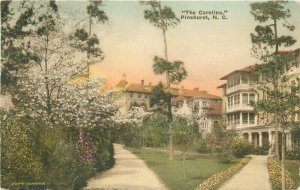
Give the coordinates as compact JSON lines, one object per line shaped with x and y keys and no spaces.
{"x":135,"y":87}
{"x":247,"y":69}
{"x":215,"y":108}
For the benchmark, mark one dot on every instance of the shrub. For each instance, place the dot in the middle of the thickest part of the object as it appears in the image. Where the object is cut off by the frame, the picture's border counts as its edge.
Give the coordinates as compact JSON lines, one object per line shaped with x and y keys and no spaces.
{"x":239,"y":147}
{"x":275,"y":175}
{"x":33,"y":152}
{"x":201,"y":146}
{"x":19,"y":163}
{"x":260,"y":150}
{"x":293,"y":154}
{"x":156,"y":130}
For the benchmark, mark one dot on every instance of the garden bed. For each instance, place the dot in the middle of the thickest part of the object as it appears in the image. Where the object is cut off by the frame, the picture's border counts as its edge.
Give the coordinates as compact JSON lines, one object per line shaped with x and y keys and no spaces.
{"x":219,"y":178}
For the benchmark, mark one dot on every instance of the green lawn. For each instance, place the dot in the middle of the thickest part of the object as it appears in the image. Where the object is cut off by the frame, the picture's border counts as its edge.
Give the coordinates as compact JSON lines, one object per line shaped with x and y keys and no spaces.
{"x":293,"y":167}
{"x":198,"y":168}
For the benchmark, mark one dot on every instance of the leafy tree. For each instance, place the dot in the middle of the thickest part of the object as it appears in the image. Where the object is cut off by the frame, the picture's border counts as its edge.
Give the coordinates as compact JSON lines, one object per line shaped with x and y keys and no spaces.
{"x":164,"y":18}
{"x":271,"y":14}
{"x":183,"y":138}
{"x":281,"y":102}
{"x":156,"y":130}
{"x":17,"y":20}
{"x":85,"y":40}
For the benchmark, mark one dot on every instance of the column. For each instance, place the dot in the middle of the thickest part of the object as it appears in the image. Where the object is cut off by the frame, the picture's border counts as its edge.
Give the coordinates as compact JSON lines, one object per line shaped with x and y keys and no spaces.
{"x":250,"y":137}
{"x":288,"y":141}
{"x":260,"y":139}
{"x":270,"y":137}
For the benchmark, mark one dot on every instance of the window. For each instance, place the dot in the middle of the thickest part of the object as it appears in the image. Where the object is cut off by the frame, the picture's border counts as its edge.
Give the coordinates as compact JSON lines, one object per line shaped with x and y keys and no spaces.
{"x":229,"y":101}
{"x":245,"y":118}
{"x":236,"y":118}
{"x":245,"y":99}
{"x":131,"y":94}
{"x":236,"y":99}
{"x":251,"y":98}
{"x":251,"y":118}
{"x":244,"y":79}
{"x":196,"y":106}
{"x":146,"y":95}
{"x":139,"y":95}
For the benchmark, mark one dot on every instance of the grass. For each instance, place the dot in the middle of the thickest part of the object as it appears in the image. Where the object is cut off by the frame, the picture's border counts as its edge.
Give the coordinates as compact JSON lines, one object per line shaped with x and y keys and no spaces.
{"x":293,"y":167}
{"x":198,"y":168}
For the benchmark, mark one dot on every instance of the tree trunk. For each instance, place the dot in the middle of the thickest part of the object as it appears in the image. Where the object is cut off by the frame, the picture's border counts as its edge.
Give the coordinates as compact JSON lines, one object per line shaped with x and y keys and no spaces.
{"x":89,"y":48}
{"x":282,"y":160}
{"x":169,"y":103}
{"x":276,"y":139}
{"x":184,"y":168}
{"x":275,"y":35}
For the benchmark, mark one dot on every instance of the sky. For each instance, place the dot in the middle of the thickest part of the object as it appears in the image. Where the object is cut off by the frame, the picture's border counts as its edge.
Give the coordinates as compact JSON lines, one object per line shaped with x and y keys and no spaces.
{"x":208,"y":48}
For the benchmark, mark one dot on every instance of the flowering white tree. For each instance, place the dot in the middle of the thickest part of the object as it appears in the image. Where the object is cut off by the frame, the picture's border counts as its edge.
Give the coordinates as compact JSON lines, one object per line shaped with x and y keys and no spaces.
{"x":47,"y":87}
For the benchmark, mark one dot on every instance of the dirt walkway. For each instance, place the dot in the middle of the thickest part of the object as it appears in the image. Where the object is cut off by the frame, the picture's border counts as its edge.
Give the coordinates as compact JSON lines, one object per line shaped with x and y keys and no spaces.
{"x":129,"y":172}
{"x":253,"y":176}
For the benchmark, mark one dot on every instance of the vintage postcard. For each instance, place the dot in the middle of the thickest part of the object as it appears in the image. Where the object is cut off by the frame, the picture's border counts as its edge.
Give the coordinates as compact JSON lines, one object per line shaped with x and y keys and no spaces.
{"x":150,"y":95}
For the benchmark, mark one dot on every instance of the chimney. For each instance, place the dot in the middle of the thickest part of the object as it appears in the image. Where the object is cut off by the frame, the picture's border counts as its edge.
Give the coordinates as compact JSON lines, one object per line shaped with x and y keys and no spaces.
{"x":142,"y":82}
{"x":150,"y":84}
{"x":123,"y":76}
{"x":196,"y":89}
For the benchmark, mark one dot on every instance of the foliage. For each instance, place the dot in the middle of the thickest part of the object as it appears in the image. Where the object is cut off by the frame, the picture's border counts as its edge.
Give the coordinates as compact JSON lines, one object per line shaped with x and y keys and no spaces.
{"x":17,"y":19}
{"x":156,"y":130}
{"x":176,"y":71}
{"x":182,"y":134}
{"x":220,"y":139}
{"x":217,"y":179}
{"x":260,"y":150}
{"x":33,"y":152}
{"x":201,"y":146}
{"x":19,"y":163}
{"x":183,"y":138}
{"x":275,"y":175}
{"x":239,"y":147}
{"x":85,"y":41}
{"x":293,"y":154}
{"x":159,"y":98}
{"x":293,"y":167}
{"x":161,"y":17}
{"x":273,"y":11}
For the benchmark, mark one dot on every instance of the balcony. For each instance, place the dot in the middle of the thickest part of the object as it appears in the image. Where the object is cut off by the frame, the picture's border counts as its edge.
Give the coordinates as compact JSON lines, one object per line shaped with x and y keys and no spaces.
{"x":239,"y":107}
{"x":238,"y":87}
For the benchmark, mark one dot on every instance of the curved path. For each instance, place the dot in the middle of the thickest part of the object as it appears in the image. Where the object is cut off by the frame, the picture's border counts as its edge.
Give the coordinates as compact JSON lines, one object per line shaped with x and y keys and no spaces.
{"x":129,"y":172}
{"x":253,"y":176}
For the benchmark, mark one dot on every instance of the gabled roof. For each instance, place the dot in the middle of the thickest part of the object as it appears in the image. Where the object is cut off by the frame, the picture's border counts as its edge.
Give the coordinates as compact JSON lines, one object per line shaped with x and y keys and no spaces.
{"x":247,"y":69}
{"x":134,"y":87}
{"x":215,"y":108}
{"x":195,"y":93}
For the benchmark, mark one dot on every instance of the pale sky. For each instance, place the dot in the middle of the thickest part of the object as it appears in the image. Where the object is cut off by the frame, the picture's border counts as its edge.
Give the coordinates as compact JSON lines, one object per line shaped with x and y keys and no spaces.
{"x":208,"y":48}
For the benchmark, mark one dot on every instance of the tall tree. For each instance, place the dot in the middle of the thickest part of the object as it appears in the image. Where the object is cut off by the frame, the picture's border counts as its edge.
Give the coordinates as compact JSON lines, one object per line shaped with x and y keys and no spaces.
{"x":164,"y":18}
{"x":266,"y":37}
{"x":17,"y":21}
{"x":280,"y":103}
{"x":86,"y":41}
